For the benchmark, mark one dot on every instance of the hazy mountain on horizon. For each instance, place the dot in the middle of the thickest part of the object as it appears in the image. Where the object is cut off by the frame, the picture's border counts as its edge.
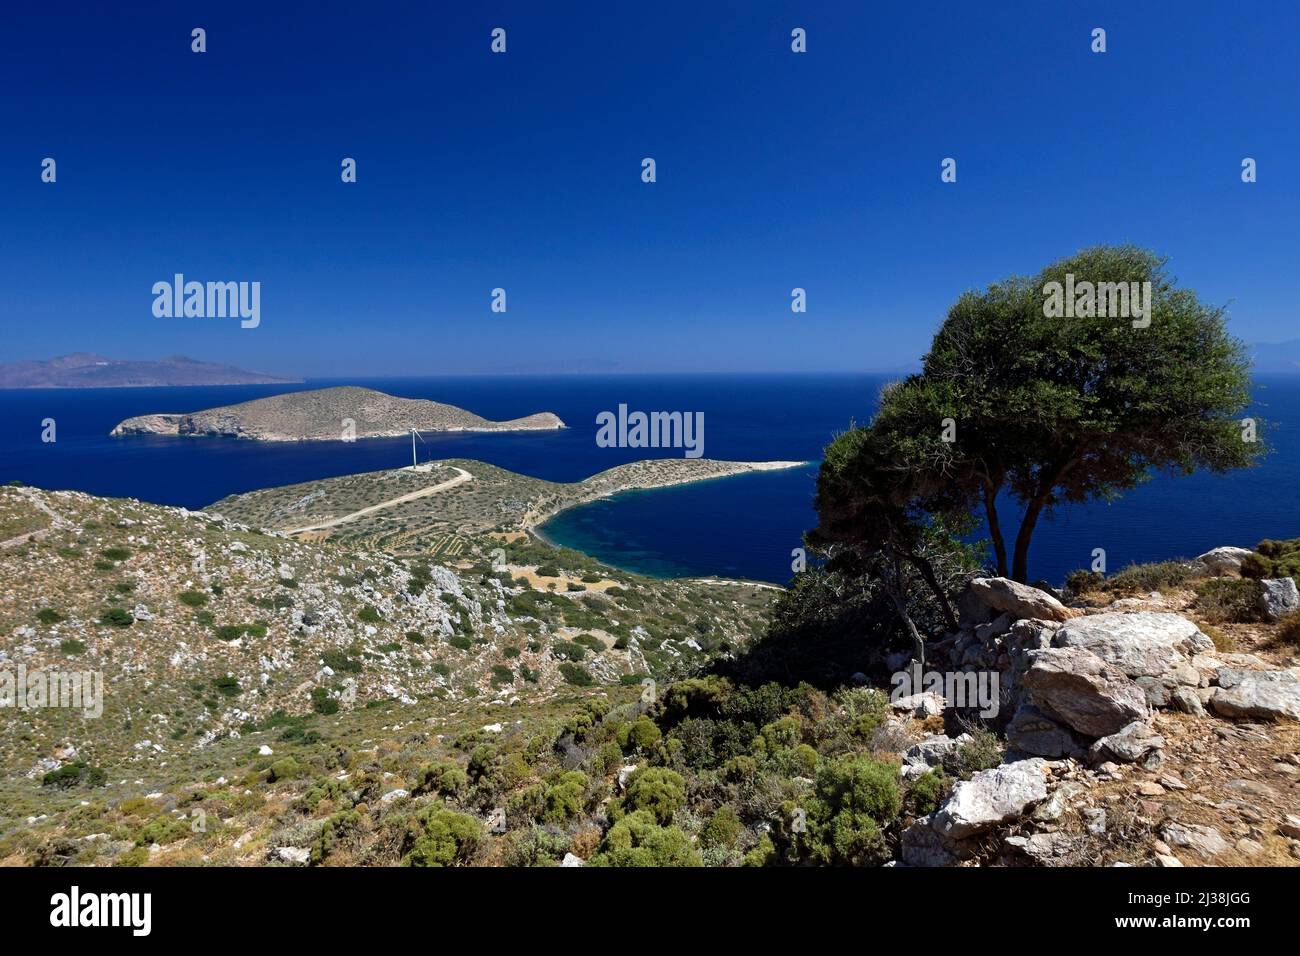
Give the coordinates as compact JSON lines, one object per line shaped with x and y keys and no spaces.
{"x":89,"y":370}
{"x":1276,"y":356}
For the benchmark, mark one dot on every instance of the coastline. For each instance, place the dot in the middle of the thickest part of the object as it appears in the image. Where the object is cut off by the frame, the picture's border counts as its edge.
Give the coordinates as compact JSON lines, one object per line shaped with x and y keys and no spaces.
{"x":725,"y":469}
{"x":535,"y":526}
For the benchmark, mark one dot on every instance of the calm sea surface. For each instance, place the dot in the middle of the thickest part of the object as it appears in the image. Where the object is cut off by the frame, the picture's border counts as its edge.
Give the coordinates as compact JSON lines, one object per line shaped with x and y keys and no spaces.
{"x":743,"y":526}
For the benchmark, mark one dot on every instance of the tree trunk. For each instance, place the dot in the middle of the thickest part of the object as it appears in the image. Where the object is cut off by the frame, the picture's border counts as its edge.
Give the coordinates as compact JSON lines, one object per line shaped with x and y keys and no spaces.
{"x":901,"y":607}
{"x":927,"y":572}
{"x":1020,"y":563}
{"x":995,"y":528}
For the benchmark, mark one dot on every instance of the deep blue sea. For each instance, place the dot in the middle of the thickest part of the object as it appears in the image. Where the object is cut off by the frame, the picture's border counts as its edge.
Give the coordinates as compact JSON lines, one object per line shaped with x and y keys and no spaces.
{"x":743,"y":526}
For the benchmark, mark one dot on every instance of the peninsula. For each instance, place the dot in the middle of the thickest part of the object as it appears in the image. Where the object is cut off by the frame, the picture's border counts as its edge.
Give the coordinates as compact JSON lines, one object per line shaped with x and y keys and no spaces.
{"x":328,"y":414}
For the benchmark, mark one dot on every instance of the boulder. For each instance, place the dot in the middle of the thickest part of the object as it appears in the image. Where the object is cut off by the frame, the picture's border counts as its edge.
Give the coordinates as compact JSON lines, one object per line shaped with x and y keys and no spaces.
{"x":921,"y":845}
{"x":991,"y":797}
{"x":1131,"y":744}
{"x":1033,"y":732}
{"x":1046,"y":847}
{"x":1268,"y":694}
{"x":920,"y":705}
{"x":1221,"y":561}
{"x":931,"y":751}
{"x":1086,"y":693}
{"x":571,"y":860}
{"x":1141,"y":644}
{"x":1205,"y":842}
{"x":294,"y":855}
{"x":1278,"y":596}
{"x":1019,"y":600}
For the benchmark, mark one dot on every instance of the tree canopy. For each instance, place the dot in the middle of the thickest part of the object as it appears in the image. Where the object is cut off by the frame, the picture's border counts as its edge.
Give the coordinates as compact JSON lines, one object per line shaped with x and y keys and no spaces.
{"x":1074,"y":385}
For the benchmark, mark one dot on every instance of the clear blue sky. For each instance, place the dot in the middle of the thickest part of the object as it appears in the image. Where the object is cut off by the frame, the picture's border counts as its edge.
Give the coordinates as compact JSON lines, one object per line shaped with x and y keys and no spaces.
{"x":775,"y":170}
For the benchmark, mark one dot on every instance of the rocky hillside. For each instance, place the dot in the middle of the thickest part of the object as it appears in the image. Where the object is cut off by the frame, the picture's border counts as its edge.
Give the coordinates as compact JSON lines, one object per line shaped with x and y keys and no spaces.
{"x":323,"y":415}
{"x":205,"y":630}
{"x":281,"y":702}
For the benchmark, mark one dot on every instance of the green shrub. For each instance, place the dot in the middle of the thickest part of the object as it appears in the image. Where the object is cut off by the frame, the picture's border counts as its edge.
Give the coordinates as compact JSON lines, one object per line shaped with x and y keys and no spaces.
{"x":576,"y":674}
{"x":855,"y":798}
{"x":463,"y":643}
{"x":723,"y":829}
{"x":78,"y":773}
{"x":1274,"y":559}
{"x":1288,"y":629}
{"x":322,"y":702}
{"x":637,"y":840}
{"x":286,"y":768}
{"x":762,"y":853}
{"x":415,"y":637}
{"x":569,"y":650}
{"x":228,"y":685}
{"x":442,"y":777}
{"x":982,"y":752}
{"x":1157,"y":576}
{"x":192,"y":598}
{"x":566,"y":797}
{"x":440,"y":837}
{"x":1229,"y":600}
{"x":657,"y":790}
{"x":116,"y":554}
{"x":48,"y":616}
{"x":338,"y":661}
{"x":1081,"y":582}
{"x":640,"y":734}
{"x":338,"y":828}
{"x":162,"y":829}
{"x":926,"y":792}
{"x":547,"y":571}
{"x":116,"y":617}
{"x":369,"y":615}
{"x":71,"y":646}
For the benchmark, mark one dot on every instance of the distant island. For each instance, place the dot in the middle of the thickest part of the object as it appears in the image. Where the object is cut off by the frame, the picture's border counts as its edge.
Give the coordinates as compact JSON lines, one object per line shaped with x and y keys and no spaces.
{"x":321,"y":414}
{"x":1275,"y":357}
{"x":88,"y":370}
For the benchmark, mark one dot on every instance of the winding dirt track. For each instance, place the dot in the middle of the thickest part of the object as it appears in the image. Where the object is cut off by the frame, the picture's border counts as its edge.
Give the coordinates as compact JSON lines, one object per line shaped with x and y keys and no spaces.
{"x":460,"y":479}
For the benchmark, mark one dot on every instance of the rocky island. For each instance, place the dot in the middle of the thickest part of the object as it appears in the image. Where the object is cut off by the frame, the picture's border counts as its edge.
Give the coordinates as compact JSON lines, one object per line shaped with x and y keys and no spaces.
{"x":325,"y":414}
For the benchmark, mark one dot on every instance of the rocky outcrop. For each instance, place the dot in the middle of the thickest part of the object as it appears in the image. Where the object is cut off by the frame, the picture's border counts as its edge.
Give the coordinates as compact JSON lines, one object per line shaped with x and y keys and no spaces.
{"x":1086,"y":693}
{"x":1221,"y":561}
{"x":1034,"y":733}
{"x":1019,"y":600}
{"x":1278,"y":597}
{"x":1134,"y":743}
{"x":1268,"y":694}
{"x":992,"y":797}
{"x":1141,"y":644}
